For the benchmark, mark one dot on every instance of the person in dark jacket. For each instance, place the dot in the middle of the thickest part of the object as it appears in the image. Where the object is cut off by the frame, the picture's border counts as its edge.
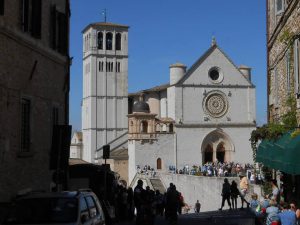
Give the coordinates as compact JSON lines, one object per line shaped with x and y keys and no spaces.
{"x":234,"y":192}
{"x":172,"y":204}
{"x":225,"y":194}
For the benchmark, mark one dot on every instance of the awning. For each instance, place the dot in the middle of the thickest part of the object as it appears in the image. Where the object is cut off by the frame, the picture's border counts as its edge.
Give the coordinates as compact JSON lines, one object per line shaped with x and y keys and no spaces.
{"x":282,"y":154}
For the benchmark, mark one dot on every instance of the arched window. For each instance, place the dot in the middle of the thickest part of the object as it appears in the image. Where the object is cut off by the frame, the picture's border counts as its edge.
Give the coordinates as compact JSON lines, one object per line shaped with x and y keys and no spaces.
{"x":118,"y":41}
{"x":144,"y":127}
{"x":109,"y":37}
{"x":221,"y":152}
{"x":158,"y":164}
{"x":171,"y":128}
{"x":100,"y":40}
{"x":111,"y":67}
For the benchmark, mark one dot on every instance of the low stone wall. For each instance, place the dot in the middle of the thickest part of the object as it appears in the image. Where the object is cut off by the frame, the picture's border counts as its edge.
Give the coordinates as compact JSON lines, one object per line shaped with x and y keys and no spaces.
{"x":205,"y":189}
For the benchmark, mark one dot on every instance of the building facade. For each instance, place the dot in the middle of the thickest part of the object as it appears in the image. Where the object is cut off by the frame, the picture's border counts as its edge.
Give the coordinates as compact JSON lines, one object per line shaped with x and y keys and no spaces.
{"x":105,"y":86}
{"x":34,"y":87}
{"x":205,"y":114}
{"x":283,"y":55}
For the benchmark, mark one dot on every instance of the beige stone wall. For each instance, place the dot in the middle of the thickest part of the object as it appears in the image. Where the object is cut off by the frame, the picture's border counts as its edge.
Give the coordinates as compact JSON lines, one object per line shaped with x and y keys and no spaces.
{"x":282,"y":32}
{"x":45,"y":86}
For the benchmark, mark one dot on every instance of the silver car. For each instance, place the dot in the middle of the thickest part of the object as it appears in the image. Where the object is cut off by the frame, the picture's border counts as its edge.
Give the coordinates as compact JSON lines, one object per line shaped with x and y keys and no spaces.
{"x":68,"y":208}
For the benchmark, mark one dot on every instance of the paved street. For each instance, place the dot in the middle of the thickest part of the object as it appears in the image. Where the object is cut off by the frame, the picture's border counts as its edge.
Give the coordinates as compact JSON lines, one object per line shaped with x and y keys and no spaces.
{"x":234,"y":217}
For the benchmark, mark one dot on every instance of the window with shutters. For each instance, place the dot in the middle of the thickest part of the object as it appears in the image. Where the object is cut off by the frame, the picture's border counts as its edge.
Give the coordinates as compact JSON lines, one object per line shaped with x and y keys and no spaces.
{"x":59,"y":31}
{"x":1,"y":7}
{"x":31,"y":17}
{"x":25,"y":125}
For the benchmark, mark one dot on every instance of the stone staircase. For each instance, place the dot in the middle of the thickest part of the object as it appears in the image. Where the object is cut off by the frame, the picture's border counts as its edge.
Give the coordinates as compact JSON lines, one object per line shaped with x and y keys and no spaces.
{"x":153,"y":182}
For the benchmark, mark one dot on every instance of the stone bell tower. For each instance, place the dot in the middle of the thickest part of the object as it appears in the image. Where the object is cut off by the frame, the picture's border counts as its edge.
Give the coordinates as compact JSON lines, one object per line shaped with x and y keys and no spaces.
{"x":105,"y":85}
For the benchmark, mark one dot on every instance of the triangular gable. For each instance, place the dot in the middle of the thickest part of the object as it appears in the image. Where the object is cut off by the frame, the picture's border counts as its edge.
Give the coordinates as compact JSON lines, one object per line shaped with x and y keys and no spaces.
{"x":197,"y":74}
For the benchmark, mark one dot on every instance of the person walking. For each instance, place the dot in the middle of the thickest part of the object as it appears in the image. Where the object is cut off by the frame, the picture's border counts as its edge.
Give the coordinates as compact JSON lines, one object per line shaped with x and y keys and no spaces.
{"x":287,"y":215}
{"x":197,"y":206}
{"x":244,"y":187}
{"x":225,"y":194}
{"x":234,"y":192}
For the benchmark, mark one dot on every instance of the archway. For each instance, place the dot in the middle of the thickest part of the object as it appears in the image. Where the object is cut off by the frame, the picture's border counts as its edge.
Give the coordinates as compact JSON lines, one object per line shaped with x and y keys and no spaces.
{"x":158,"y":164}
{"x":220,"y":147}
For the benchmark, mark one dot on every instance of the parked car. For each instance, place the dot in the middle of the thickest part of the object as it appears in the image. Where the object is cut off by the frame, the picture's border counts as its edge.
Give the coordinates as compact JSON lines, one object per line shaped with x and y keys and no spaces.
{"x":69,"y":207}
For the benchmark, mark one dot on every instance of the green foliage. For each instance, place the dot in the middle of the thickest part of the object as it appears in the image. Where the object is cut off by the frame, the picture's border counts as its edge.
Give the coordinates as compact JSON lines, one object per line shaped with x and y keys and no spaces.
{"x":274,"y":130}
{"x":286,"y":36}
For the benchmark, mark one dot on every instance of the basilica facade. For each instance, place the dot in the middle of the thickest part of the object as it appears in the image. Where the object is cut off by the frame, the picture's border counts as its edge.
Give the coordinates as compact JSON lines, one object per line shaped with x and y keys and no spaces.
{"x":204,"y":114}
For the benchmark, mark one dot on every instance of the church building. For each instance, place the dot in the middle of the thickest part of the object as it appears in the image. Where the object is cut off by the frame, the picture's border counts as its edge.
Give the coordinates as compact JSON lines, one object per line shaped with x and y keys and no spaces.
{"x":204,"y":114}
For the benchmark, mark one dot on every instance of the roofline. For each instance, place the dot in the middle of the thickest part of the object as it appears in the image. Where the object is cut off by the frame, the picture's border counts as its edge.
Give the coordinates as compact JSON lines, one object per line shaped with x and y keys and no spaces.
{"x":163,"y":87}
{"x":104,"y":24}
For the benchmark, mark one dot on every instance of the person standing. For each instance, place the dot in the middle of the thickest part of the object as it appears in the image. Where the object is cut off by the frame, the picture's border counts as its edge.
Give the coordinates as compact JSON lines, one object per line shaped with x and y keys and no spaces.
{"x":234,"y":192}
{"x":244,"y":187}
{"x":172,"y":203}
{"x":138,"y":196}
{"x":197,"y":206}
{"x":225,"y":193}
{"x":287,"y":216}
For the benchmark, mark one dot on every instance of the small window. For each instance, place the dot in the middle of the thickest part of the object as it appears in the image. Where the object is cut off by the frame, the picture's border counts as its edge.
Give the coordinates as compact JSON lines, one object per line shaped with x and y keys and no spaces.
{"x":144,"y":127}
{"x":100,"y":40}
{"x":109,"y":37}
{"x":25,"y":125}
{"x":1,"y":7}
{"x":279,"y":6}
{"x":118,"y":41}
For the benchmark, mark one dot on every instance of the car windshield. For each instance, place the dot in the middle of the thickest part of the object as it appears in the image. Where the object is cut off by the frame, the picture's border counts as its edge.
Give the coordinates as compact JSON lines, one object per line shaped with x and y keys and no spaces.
{"x":43,"y":210}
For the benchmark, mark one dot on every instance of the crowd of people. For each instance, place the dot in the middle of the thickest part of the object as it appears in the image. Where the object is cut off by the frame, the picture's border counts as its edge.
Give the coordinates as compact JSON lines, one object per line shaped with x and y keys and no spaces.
{"x":145,"y":204}
{"x":220,"y":169}
{"x":146,"y":170}
{"x":271,"y":210}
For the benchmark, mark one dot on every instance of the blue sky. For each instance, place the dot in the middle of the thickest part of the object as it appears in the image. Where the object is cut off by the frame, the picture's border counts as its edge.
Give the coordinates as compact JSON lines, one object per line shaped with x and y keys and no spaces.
{"x":163,"y":32}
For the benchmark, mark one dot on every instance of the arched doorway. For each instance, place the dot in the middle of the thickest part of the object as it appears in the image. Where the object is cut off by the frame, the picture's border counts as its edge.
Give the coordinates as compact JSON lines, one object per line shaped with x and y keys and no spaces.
{"x":221,"y":152}
{"x":217,"y":146}
{"x":208,"y":154}
{"x":158,"y":164}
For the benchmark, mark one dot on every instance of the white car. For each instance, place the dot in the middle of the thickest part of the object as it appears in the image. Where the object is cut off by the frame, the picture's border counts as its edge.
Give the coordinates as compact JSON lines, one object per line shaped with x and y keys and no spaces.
{"x":67,"y":208}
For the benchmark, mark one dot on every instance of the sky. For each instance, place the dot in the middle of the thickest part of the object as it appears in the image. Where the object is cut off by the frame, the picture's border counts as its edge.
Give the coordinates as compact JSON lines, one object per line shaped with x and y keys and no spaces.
{"x":163,"y":32}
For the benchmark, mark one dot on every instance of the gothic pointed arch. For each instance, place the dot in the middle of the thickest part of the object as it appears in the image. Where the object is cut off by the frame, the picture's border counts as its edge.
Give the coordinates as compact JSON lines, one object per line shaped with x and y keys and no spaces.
{"x":222,"y":146}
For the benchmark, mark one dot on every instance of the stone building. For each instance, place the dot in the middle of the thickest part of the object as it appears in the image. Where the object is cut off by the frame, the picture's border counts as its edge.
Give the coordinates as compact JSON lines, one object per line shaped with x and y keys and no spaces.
{"x":34,"y":90}
{"x":283,"y":56}
{"x":76,"y":146}
{"x":105,"y":92}
{"x":205,"y":113}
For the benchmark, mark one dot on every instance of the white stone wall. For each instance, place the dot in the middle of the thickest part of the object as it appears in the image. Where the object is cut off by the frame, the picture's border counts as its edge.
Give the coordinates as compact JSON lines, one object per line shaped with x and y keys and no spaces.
{"x":205,"y":189}
{"x":147,"y":153}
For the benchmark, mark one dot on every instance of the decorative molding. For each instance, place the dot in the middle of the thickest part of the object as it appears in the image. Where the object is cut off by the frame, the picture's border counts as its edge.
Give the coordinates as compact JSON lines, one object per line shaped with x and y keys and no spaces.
{"x":214,"y":125}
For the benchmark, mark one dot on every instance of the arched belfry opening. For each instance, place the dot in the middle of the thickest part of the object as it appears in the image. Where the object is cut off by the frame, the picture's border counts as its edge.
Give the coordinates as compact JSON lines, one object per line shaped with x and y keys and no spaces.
{"x":118,"y":41}
{"x":217,"y":146}
{"x":100,"y":40}
{"x":109,"y":39}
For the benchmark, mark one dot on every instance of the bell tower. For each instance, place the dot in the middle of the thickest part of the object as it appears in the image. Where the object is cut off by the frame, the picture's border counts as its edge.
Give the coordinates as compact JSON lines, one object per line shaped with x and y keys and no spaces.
{"x":105,"y":85}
